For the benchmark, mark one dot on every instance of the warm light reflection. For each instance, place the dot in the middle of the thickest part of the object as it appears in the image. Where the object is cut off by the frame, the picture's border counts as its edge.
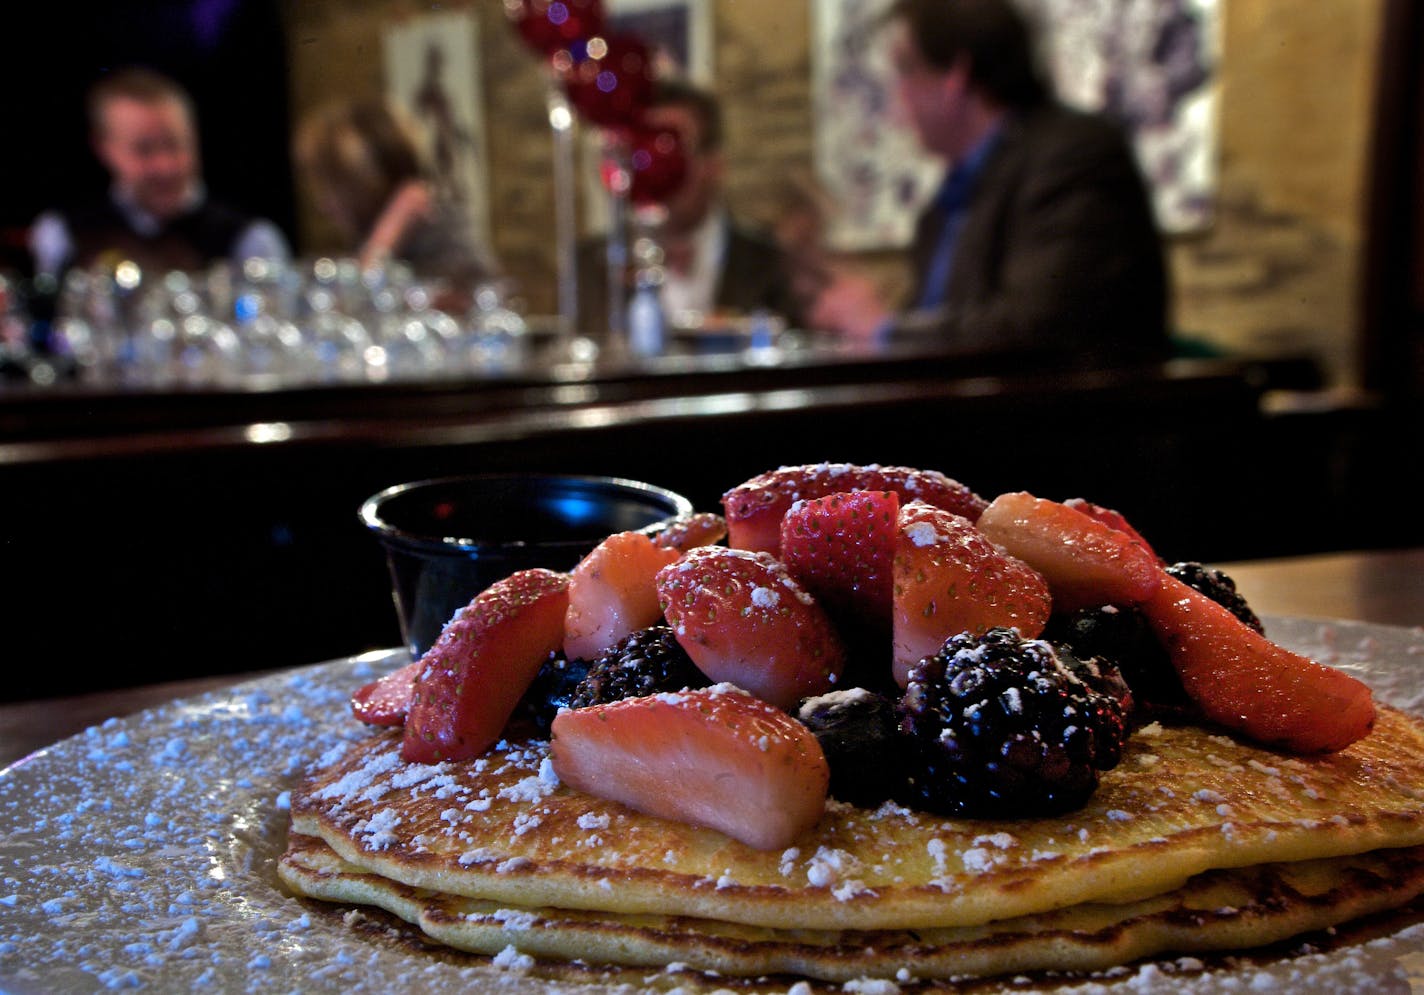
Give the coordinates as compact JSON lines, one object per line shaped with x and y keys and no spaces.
{"x":594,"y":418}
{"x":574,"y":394}
{"x":278,"y":431}
{"x":127,"y":274}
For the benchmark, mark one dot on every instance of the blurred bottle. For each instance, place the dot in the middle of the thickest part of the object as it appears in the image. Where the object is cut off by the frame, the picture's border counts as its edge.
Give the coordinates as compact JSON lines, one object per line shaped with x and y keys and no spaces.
{"x":336,"y":342}
{"x":18,"y":356}
{"x":497,"y":337}
{"x":405,"y":346}
{"x":179,"y":342}
{"x":89,"y":327}
{"x":273,"y":352}
{"x":647,"y":321}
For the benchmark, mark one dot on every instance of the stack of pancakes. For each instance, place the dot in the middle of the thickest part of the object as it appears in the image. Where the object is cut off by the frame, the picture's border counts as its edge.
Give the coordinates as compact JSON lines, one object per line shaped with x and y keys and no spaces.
{"x":1195,"y":842}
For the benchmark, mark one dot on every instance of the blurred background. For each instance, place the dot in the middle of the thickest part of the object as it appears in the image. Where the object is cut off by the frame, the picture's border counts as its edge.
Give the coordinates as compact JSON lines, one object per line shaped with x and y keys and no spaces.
{"x":1281,"y":267}
{"x":215,"y":531}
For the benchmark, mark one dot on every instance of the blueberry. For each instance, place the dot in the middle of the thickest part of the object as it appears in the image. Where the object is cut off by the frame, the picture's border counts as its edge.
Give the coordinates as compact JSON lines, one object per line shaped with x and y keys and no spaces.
{"x":864,"y":750}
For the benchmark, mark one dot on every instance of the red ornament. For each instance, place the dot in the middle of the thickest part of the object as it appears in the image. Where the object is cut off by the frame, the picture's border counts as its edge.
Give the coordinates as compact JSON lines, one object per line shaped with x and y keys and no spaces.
{"x":612,"y":86}
{"x":550,"y":25}
{"x":658,"y":164}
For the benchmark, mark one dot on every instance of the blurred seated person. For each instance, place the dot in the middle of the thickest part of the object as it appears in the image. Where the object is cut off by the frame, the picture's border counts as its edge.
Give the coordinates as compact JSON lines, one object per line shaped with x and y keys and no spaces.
{"x":362,"y":165}
{"x":1041,"y":239}
{"x":157,"y":212}
{"x":712,"y":264}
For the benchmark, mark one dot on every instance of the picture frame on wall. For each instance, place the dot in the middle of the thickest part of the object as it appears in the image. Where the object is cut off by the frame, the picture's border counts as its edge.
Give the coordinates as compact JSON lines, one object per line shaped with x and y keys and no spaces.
{"x":432,"y":74}
{"x":679,"y":32}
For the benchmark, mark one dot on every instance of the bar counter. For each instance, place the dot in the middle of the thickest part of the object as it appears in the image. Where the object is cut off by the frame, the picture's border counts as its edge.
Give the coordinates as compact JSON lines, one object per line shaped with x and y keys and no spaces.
{"x":1385,"y":587}
{"x":151,"y":536}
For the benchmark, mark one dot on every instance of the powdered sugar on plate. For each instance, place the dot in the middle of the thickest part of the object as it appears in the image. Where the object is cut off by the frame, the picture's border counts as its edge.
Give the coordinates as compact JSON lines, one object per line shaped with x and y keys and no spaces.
{"x":141,"y":855}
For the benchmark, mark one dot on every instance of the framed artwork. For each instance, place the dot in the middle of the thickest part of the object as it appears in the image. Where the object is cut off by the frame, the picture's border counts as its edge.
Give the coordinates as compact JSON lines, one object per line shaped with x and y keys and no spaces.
{"x":1152,"y":65}
{"x":1149,"y":63}
{"x":432,"y":72}
{"x":679,"y":32}
{"x":867,"y":161}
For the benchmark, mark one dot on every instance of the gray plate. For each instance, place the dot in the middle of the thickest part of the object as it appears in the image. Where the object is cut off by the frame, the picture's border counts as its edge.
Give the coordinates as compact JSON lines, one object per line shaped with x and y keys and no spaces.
{"x":141,"y":854}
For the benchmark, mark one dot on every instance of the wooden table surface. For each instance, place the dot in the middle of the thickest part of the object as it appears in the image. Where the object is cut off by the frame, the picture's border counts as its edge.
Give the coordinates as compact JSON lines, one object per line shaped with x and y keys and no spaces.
{"x":1384,"y":587}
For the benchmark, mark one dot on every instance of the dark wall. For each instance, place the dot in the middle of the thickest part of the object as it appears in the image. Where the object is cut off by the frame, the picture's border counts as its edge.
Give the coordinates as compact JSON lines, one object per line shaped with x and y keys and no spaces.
{"x":1393,"y":274}
{"x":231,"y":56}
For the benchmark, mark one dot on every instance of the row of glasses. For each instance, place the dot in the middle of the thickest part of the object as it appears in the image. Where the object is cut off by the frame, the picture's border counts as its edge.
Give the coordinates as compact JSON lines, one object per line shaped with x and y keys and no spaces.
{"x":267,"y":324}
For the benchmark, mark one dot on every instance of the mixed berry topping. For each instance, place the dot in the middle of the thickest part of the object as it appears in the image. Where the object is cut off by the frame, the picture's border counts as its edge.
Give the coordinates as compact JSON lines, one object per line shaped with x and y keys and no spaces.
{"x":901,"y":585}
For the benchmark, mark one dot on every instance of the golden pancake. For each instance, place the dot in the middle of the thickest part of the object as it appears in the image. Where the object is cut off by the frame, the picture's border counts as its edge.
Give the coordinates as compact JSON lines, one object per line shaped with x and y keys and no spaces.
{"x":1218,"y":910}
{"x":1183,"y":801}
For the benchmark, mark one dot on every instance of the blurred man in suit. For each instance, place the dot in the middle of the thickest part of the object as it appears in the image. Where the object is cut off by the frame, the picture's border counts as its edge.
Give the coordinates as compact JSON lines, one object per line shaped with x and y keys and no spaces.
{"x":1041,"y":239}
{"x":712,"y":263}
{"x":156,"y":212}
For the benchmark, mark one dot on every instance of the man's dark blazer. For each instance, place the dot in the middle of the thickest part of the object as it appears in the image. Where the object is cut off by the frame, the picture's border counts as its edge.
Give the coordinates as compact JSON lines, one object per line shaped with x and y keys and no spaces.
{"x":754,"y":275}
{"x":1058,"y":254}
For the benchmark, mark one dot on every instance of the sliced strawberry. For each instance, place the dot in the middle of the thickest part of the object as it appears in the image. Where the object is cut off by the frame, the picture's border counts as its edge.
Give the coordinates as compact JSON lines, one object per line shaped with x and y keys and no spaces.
{"x":713,"y":757}
{"x":385,"y":701}
{"x":701,"y":529}
{"x":1113,"y":520}
{"x":754,"y":509}
{"x":743,"y":619}
{"x":840,"y":547}
{"x":1245,"y":682}
{"x":611,"y":593}
{"x":1086,"y":563}
{"x":949,"y":578}
{"x":485,"y":658}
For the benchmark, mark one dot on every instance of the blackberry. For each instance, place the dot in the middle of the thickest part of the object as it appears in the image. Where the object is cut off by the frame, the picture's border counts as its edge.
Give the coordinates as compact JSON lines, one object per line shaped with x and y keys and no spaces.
{"x":1000,"y":728}
{"x":1112,"y":704}
{"x":552,"y":689}
{"x":1123,"y":637}
{"x":1218,"y":587}
{"x":646,"y":662}
{"x":865,"y":751}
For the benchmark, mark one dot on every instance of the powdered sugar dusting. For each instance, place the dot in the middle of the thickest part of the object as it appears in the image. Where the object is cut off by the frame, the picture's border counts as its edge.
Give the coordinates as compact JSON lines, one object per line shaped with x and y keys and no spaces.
{"x":765,"y":597}
{"x":140,"y":854}
{"x":922,"y":534}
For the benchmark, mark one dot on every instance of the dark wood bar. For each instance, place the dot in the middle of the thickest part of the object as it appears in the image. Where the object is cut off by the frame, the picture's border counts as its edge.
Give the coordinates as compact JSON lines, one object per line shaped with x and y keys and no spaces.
{"x":157,"y":536}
